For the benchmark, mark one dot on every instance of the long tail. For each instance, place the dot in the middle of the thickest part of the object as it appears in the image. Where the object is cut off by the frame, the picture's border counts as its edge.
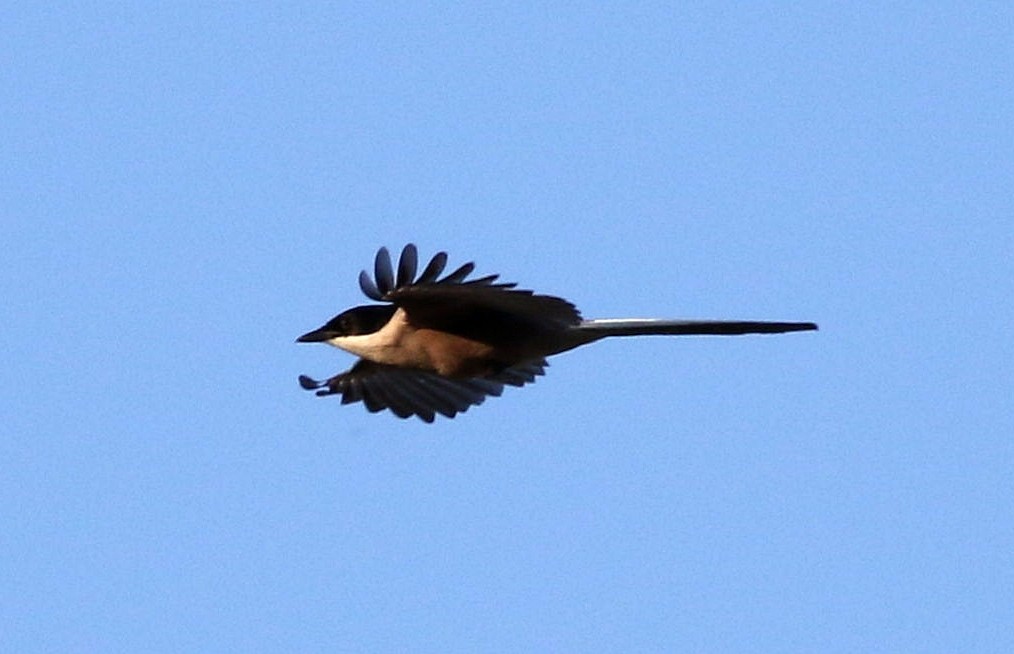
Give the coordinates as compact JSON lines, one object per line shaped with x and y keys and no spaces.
{"x":647,"y":326}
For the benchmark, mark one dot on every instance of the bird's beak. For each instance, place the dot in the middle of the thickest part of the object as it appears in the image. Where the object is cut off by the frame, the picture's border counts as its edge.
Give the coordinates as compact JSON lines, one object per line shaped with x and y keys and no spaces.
{"x":316,"y":336}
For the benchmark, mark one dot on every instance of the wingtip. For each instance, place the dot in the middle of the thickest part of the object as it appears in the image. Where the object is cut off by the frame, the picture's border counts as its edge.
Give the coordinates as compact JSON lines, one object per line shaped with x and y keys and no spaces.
{"x":383,"y":271}
{"x":433,"y":269}
{"x":308,"y":383}
{"x":368,"y":287}
{"x":407,"y":264}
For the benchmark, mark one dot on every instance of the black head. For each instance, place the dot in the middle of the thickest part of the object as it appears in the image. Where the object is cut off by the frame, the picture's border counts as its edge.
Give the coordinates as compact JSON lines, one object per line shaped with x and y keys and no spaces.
{"x":356,"y":321}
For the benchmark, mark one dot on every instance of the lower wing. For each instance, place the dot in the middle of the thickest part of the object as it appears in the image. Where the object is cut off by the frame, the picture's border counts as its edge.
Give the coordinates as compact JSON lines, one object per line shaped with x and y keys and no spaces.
{"x":406,"y":392}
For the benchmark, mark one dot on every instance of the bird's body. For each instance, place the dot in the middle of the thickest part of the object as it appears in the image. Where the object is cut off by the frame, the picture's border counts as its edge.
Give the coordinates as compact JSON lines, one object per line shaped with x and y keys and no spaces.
{"x":401,"y":343}
{"x":442,"y":345}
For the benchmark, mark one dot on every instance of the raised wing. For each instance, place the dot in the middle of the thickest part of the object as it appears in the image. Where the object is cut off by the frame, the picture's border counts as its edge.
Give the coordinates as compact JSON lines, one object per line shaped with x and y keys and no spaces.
{"x":454,"y":297}
{"x":407,"y":392}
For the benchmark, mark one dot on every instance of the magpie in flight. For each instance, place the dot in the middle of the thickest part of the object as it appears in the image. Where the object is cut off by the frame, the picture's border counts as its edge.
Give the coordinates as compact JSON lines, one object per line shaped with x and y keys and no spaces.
{"x":442,"y":344}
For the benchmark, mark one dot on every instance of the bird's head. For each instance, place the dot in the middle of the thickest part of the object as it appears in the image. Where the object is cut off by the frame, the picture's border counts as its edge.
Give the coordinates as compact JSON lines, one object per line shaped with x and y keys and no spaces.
{"x":356,"y":321}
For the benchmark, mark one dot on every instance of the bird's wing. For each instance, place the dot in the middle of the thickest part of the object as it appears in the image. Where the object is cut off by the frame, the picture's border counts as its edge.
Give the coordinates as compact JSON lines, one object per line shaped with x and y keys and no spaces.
{"x":454,"y":298}
{"x":406,"y":392}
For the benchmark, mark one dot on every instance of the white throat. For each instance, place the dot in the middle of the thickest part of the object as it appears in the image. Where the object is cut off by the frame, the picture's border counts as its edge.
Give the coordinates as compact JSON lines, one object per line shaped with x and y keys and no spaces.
{"x":378,"y":346}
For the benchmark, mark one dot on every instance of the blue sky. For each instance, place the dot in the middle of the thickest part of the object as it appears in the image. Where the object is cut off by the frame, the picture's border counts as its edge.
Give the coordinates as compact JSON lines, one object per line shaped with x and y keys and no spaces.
{"x":186,"y":188}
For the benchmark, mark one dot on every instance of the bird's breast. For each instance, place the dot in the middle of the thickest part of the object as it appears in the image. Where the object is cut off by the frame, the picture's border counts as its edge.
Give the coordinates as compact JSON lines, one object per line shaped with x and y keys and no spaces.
{"x":399,"y":343}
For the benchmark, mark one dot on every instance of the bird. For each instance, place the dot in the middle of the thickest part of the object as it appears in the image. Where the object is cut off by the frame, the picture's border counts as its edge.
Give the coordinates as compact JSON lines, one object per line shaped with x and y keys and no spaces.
{"x":440,"y":345}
